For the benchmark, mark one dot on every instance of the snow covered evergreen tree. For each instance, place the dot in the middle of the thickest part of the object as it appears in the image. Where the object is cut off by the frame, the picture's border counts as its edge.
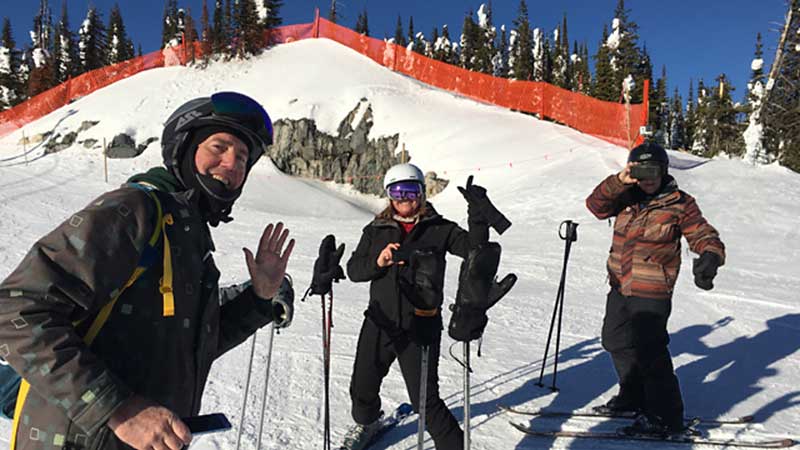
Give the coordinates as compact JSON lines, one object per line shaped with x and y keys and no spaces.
{"x":560,"y":60}
{"x":11,"y":89}
{"x":443,"y":47}
{"x":65,"y":51}
{"x":780,"y":111}
{"x":690,"y":119}
{"x":249,"y":31}
{"x":485,"y":37}
{"x":677,"y":126}
{"x":725,"y":131}
{"x":120,"y":46}
{"x":271,"y":18}
{"x":92,"y":42}
{"x":39,"y":58}
{"x":660,"y":110}
{"x":500,"y":59}
{"x":171,"y":35}
{"x":539,"y":56}
{"x":469,"y":43}
{"x":754,"y":133}
{"x":701,"y":137}
{"x":219,"y":39}
{"x":523,"y":46}
{"x":604,"y":86}
{"x":625,"y":56}
{"x":206,"y":33}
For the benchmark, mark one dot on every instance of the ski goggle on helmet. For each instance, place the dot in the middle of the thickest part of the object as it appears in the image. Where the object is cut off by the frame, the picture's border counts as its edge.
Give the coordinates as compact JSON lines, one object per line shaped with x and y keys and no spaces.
{"x":404,"y":190}
{"x":228,"y":109}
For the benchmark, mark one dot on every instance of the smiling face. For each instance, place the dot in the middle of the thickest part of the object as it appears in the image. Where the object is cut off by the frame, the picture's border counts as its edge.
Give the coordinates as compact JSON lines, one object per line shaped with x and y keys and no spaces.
{"x":405,"y":208}
{"x":223,"y":156}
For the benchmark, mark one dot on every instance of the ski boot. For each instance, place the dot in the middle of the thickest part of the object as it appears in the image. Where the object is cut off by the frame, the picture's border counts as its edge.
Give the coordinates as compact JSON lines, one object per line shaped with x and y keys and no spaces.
{"x":618,"y":406}
{"x":649,"y":425}
{"x":359,"y":437}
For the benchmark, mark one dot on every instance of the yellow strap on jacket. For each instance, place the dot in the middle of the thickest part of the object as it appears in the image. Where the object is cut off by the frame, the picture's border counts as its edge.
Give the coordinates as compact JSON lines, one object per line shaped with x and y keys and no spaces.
{"x":101,"y":318}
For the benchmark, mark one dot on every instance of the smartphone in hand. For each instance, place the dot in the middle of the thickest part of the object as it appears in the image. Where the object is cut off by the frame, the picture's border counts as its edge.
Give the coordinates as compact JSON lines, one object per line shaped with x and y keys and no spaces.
{"x":207,"y":423}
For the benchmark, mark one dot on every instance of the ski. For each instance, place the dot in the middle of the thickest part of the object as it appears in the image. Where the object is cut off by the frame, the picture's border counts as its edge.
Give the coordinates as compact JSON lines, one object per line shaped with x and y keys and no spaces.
{"x":591,"y":414}
{"x":678,"y":439}
{"x":387,"y":424}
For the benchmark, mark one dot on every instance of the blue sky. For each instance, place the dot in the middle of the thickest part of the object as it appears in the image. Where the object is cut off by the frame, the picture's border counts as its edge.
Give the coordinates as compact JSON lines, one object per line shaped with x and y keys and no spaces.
{"x":694,"y":39}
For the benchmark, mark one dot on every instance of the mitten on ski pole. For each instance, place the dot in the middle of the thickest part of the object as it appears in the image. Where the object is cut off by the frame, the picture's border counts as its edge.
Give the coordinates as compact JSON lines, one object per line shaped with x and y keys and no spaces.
{"x":480,"y":208}
{"x":477,"y":292}
{"x":422,"y":287}
{"x":705,"y":269}
{"x":326,"y":267}
{"x":283,"y":304}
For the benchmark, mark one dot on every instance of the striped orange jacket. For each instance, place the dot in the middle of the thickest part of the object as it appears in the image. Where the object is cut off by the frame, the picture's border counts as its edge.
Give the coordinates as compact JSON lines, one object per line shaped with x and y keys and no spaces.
{"x":645,"y":255}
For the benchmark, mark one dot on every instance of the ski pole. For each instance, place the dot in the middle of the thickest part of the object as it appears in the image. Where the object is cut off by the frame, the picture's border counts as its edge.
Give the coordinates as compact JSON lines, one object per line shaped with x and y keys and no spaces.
{"x":246,"y":390}
{"x":423,"y":393}
{"x":570,"y":236}
{"x":266,"y":384}
{"x":466,"y":396}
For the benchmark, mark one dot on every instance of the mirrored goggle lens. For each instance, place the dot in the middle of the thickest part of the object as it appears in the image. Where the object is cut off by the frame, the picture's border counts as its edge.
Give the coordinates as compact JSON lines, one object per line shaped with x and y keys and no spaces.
{"x":404,"y":191}
{"x":245,"y":109}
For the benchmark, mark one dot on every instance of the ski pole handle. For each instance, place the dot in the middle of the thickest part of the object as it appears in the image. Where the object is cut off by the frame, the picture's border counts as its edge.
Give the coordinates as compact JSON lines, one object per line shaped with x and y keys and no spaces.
{"x":571,"y":233}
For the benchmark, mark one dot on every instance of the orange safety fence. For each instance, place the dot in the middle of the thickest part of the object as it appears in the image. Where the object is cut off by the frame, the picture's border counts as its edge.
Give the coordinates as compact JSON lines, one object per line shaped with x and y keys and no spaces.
{"x":613,"y":122}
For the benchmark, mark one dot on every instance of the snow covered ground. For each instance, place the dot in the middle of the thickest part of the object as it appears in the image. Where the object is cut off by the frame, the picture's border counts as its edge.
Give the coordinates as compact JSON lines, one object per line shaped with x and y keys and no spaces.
{"x":735,"y":348}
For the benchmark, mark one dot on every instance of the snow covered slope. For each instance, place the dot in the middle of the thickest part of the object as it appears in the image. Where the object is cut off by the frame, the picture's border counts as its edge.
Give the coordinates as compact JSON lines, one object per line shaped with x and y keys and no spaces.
{"x":735,"y":347}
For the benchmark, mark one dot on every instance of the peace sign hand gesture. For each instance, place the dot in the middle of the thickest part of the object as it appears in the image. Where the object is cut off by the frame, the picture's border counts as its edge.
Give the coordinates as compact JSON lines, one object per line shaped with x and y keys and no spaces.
{"x":268,"y":266}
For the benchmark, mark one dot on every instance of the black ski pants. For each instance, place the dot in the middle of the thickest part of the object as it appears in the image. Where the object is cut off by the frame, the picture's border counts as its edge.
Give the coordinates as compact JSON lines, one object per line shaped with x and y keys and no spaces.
{"x":635,"y":333}
{"x":377,"y":350}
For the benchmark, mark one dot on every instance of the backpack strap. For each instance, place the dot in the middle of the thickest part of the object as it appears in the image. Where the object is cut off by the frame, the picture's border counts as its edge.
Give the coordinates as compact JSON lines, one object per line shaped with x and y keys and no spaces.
{"x":147,"y":258}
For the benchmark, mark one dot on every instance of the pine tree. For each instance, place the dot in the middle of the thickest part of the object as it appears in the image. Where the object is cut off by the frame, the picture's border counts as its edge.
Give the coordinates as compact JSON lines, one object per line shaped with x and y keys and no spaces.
{"x":500,"y":59}
{"x":691,"y":119}
{"x":120,"y":46}
{"x":485,"y":37}
{"x":190,"y":35}
{"x":468,"y":43}
{"x":219,"y":38}
{"x":411,"y":39}
{"x":333,"y":15}
{"x":754,"y":134}
{"x":443,"y":47}
{"x":523,"y":57}
{"x":725,"y":132}
{"x":604,"y":87}
{"x":273,"y":18}
{"x":677,"y":125}
{"x":548,"y":61}
{"x":65,"y":54}
{"x":10,"y":90}
{"x":659,"y":110}
{"x":206,"y":33}
{"x":626,"y":59}
{"x":229,"y":27}
{"x":701,"y":138}
{"x":249,"y":33}
{"x":92,"y":42}
{"x":362,"y":24}
{"x":540,"y":52}
{"x":584,"y":74}
{"x":169,"y":25}
{"x":559,"y":73}
{"x":39,"y":58}
{"x":399,"y":39}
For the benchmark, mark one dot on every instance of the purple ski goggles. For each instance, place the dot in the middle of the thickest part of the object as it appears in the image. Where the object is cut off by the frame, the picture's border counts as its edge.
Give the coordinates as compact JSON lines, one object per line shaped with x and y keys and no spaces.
{"x":404,"y":190}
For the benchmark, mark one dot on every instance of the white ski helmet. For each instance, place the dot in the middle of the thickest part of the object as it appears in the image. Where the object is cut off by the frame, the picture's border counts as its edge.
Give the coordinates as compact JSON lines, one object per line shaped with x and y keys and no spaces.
{"x":403,"y":172}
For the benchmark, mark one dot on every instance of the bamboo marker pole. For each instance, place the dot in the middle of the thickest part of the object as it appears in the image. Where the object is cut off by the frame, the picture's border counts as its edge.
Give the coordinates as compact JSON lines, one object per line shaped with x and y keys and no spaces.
{"x":105,"y":160}
{"x":25,"y":147}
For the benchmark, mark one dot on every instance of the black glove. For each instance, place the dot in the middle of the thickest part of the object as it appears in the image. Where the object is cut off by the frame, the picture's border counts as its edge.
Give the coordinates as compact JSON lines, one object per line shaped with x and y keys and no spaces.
{"x":326,"y":267}
{"x":418,"y":280}
{"x":480,"y":208}
{"x":283,"y":304}
{"x":467,"y":322}
{"x":425,"y":329}
{"x":705,"y":269}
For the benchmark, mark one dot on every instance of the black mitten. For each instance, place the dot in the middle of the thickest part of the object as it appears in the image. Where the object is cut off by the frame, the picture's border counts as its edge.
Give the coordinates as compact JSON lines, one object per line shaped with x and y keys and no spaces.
{"x":705,"y":269}
{"x":475,"y":285}
{"x":326,"y":267}
{"x":480,"y":208}
{"x":419,"y":281}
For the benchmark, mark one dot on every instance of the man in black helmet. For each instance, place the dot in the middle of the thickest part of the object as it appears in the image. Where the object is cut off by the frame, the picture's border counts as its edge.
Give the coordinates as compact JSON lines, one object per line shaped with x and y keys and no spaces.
{"x":651,"y":216}
{"x":115,"y":317}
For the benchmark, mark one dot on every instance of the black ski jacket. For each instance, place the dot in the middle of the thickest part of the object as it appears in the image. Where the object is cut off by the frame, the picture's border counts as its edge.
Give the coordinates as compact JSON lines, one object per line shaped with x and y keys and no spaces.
{"x":388,"y":306}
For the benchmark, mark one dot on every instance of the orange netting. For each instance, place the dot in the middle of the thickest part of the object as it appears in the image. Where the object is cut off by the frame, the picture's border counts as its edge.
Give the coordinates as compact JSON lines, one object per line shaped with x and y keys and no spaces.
{"x":613,"y":122}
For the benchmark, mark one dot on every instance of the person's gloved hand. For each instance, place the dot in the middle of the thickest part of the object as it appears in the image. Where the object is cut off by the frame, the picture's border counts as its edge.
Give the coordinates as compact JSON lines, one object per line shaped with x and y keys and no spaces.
{"x":425,"y":329}
{"x":283,"y":304}
{"x":705,"y":269}
{"x":480,"y":208}
{"x":326,"y":267}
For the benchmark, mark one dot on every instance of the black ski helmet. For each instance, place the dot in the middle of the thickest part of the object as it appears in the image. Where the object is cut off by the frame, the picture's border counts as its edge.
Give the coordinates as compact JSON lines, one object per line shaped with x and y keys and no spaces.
{"x":649,"y":151}
{"x":230,"y":111}
{"x":226,"y":109}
